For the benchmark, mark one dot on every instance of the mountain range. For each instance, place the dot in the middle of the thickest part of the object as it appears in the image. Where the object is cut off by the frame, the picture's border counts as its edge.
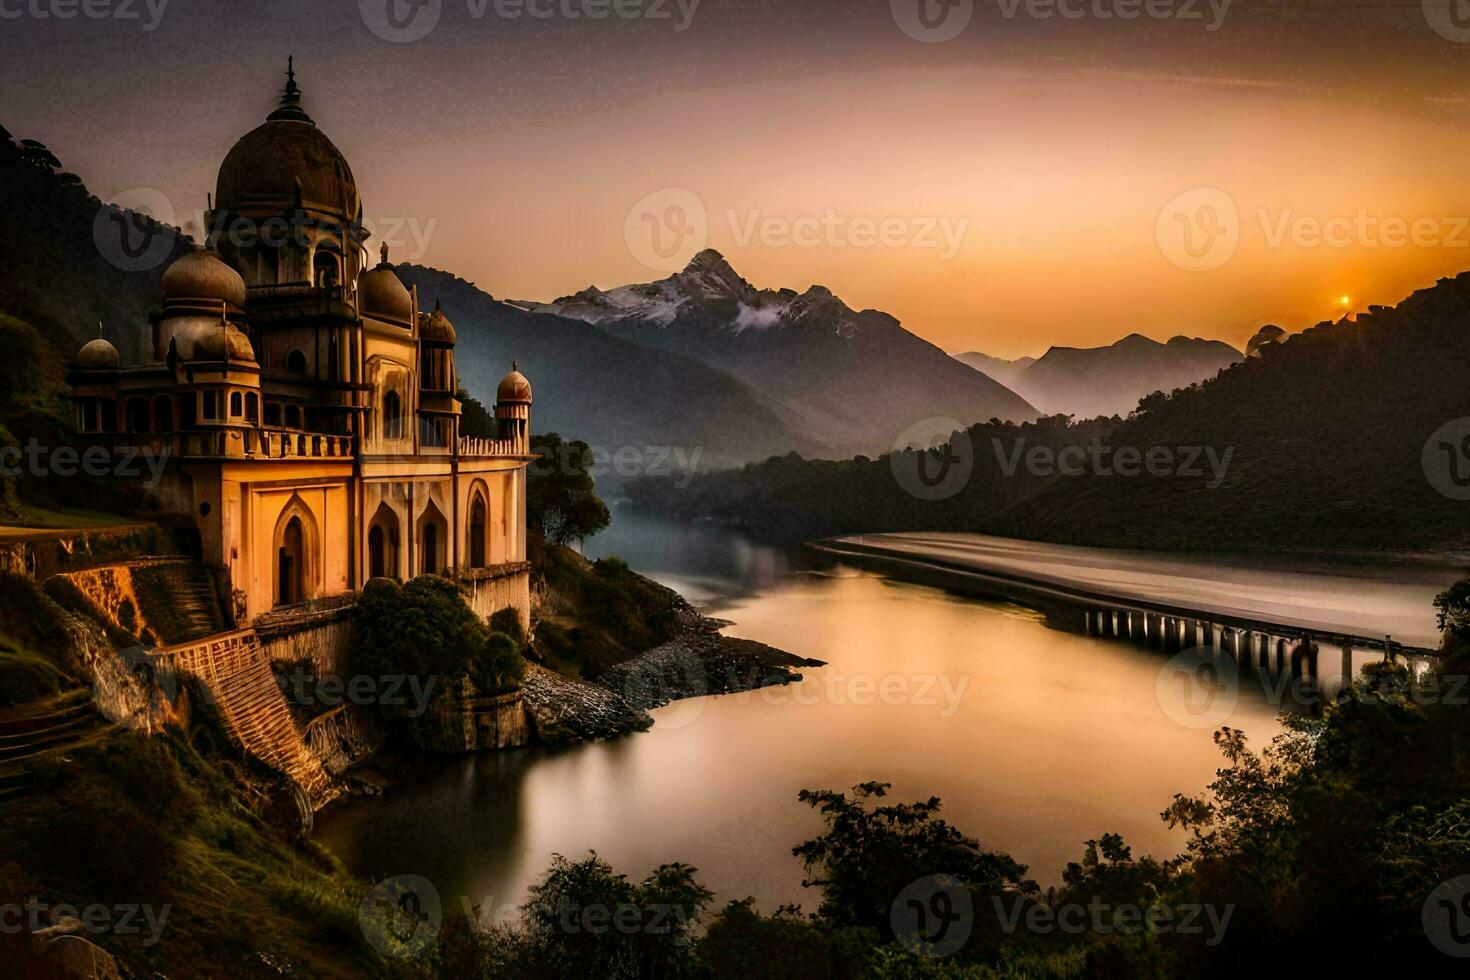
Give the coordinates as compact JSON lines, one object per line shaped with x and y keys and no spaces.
{"x":1092,"y":381}
{"x":848,"y":382}
{"x":603,"y":389}
{"x":1351,"y":435}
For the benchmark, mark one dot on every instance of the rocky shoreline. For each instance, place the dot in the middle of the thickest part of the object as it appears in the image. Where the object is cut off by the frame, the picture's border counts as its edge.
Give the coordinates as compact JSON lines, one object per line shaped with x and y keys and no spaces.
{"x":699,"y":660}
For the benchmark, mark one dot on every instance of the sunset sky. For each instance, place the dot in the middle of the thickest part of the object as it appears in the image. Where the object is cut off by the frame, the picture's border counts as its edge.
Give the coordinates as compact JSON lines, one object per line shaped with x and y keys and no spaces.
{"x":512,"y":151}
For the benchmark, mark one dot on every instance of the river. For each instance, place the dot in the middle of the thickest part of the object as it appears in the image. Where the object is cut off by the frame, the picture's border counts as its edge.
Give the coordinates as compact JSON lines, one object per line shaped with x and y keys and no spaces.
{"x":1035,"y":739}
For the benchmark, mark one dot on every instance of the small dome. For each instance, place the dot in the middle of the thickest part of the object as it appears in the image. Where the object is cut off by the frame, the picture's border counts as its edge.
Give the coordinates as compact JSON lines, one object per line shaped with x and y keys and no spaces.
{"x":97,"y":355}
{"x":202,"y":275}
{"x":227,"y":344}
{"x":436,"y":327}
{"x":200,"y":338}
{"x":514,"y":388}
{"x":381,"y":293}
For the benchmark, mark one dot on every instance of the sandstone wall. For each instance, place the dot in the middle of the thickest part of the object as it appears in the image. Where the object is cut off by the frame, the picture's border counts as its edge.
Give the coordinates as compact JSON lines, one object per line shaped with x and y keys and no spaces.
{"x":492,"y":589}
{"x":462,"y":720}
{"x":320,"y":633}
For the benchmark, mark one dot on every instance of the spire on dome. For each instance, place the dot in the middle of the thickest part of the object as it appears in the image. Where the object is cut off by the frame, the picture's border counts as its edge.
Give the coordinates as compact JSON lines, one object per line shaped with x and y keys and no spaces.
{"x":290,"y":105}
{"x":383,"y":252}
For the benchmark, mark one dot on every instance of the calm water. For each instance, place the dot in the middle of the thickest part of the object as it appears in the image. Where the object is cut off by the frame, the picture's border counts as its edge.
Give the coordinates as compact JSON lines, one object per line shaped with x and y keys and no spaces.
{"x":1035,"y":739}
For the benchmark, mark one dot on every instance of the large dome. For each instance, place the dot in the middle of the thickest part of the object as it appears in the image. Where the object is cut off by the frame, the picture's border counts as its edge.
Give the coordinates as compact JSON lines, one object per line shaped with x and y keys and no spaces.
{"x":261,"y":171}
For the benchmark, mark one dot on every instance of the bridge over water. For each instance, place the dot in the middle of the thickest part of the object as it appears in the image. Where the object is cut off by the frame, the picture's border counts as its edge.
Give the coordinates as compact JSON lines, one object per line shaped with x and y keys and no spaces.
{"x":1272,"y":620}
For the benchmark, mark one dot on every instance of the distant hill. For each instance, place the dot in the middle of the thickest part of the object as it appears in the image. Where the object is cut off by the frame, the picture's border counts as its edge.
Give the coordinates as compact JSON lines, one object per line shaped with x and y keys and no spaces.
{"x":1006,"y":372}
{"x":1091,"y":381}
{"x":852,"y":382}
{"x":63,"y":270}
{"x":605,"y":390}
{"x":1333,"y":438}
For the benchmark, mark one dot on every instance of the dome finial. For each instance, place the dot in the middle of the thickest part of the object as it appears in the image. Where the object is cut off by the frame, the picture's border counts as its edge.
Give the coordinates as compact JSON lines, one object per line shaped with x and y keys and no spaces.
{"x":514,"y":366}
{"x":290,"y":105}
{"x":383,"y":251}
{"x":99,"y":329}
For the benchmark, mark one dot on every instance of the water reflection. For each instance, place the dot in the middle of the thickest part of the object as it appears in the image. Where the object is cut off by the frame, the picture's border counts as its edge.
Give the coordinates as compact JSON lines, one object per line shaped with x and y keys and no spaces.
{"x":1035,"y":739}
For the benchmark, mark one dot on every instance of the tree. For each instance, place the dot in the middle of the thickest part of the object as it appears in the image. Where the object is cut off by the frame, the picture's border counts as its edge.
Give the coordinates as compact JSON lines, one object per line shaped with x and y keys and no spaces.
{"x":474,"y":421}
{"x":559,"y":493}
{"x":422,"y":629}
{"x":870,"y":854}
{"x":584,"y":919}
{"x":1454,"y":612}
{"x":35,"y":153}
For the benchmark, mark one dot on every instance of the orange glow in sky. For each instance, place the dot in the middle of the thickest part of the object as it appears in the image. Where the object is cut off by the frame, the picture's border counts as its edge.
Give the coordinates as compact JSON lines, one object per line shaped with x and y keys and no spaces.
{"x":1031,"y":183}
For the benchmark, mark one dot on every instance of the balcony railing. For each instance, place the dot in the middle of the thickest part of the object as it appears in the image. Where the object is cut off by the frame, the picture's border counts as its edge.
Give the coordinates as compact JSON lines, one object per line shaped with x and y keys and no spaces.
{"x":471,"y":447}
{"x":233,"y":442}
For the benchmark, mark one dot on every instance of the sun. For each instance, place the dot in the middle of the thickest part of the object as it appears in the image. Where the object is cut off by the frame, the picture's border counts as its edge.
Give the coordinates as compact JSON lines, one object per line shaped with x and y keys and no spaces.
{"x":1344,"y":300}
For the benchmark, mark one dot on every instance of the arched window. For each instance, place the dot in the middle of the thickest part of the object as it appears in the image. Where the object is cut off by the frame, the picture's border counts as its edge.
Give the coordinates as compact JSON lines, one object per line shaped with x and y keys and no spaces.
{"x":237,"y":405}
{"x":296,"y":361}
{"x":252,"y":408}
{"x":477,"y":532}
{"x":163,"y":413}
{"x":325,"y":270}
{"x":375,"y":552}
{"x":392,"y":416}
{"x":431,"y":548}
{"x":290,"y":564}
{"x":138,"y":415}
{"x":383,"y":543}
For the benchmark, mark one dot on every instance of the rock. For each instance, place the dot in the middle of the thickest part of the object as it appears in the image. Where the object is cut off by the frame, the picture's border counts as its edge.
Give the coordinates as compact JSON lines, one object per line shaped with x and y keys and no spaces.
{"x":562,"y":710}
{"x":1269,"y":334}
{"x":70,"y":957}
{"x":699,"y":660}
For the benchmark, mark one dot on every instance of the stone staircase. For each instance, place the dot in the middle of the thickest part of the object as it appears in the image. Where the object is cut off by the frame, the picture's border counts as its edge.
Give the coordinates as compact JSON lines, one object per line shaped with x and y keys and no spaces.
{"x":41,"y":731}
{"x":253,"y":710}
{"x":183,"y":604}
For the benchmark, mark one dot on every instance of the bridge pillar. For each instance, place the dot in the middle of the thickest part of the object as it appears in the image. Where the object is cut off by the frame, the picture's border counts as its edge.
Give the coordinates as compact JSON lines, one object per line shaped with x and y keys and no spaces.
{"x":1121,"y":623}
{"x":1304,"y":663}
{"x":1138,"y":624}
{"x":1347,"y":666}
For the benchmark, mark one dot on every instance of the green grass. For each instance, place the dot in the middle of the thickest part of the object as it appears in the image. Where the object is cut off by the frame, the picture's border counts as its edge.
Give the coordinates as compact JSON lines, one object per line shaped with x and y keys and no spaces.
{"x":31,"y":518}
{"x":151,"y":820}
{"x":26,"y":675}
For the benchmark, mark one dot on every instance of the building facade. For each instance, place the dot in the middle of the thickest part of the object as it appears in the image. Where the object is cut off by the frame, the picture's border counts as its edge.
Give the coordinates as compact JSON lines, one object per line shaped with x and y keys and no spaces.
{"x":308,"y":407}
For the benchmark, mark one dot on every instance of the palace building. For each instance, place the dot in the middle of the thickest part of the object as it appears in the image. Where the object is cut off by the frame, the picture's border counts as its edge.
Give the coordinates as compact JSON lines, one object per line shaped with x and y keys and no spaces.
{"x":307,"y":406}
